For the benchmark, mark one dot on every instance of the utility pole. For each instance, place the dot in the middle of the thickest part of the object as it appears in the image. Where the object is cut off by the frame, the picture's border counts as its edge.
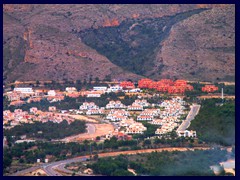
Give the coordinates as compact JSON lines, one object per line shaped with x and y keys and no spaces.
{"x":90,"y":149}
{"x":222,"y":95}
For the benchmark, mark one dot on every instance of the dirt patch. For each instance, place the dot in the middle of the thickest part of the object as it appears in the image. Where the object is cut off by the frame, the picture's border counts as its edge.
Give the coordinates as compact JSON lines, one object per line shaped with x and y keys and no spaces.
{"x":100,"y":130}
{"x":81,"y":117}
{"x":38,"y":172}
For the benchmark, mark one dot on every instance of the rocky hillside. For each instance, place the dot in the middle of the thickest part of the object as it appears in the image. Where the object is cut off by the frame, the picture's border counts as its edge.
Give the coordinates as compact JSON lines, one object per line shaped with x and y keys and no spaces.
{"x":56,"y":42}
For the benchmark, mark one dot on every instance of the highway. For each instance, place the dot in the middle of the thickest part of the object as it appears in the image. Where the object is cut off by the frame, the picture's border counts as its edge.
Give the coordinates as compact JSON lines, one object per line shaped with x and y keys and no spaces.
{"x":49,"y":168}
{"x":191,"y":115}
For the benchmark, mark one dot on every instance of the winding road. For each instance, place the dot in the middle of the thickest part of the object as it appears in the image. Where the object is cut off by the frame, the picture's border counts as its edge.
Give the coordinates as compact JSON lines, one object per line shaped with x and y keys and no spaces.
{"x":90,"y":130}
{"x":51,"y":168}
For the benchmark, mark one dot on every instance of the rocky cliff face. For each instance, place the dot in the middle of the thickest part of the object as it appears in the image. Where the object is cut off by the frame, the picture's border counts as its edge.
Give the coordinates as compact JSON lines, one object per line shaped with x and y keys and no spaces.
{"x":201,"y":47}
{"x":42,"y":42}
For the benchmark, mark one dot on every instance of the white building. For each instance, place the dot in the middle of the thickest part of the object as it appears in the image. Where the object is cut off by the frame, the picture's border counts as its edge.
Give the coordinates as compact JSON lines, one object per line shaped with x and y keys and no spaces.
{"x":187,"y":133}
{"x":24,"y":90}
{"x":143,"y":102}
{"x":88,"y":106}
{"x":135,"y":107}
{"x":51,"y":93}
{"x":71,"y":89}
{"x":135,"y":90}
{"x":33,"y":110}
{"x":151,"y":112}
{"x":94,"y":93}
{"x":99,"y":88}
{"x":144,"y":118}
{"x":115,"y":105}
{"x":114,"y":89}
{"x":136,"y":128}
{"x":52,"y":108}
{"x":126,"y":122}
{"x":157,"y":122}
{"x":95,"y":111}
{"x":122,"y":112}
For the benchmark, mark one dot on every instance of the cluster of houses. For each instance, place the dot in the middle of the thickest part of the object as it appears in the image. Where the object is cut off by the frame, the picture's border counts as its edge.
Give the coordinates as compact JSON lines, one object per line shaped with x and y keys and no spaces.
{"x":167,"y":118}
{"x":11,"y":119}
{"x":115,"y":111}
{"x":22,"y":95}
{"x":166,"y":85}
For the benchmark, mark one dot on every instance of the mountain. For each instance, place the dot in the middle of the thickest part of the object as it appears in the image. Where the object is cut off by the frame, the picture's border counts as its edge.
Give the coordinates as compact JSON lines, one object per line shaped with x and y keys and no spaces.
{"x":57,"y":42}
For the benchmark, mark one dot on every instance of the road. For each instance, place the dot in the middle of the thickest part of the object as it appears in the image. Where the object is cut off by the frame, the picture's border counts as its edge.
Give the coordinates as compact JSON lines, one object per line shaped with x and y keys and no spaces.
{"x":50,"y":168}
{"x":191,"y":115}
{"x":90,"y":130}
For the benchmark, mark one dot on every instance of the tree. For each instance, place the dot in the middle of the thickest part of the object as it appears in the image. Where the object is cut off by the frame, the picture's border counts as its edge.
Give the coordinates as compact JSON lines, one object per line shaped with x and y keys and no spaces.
{"x":85,"y":82}
{"x":97,"y":80}
{"x":147,"y":142}
{"x":95,"y":157}
{"x":98,"y":138}
{"x":108,"y":78}
{"x":37,"y":83}
{"x":90,"y":79}
{"x":12,"y":87}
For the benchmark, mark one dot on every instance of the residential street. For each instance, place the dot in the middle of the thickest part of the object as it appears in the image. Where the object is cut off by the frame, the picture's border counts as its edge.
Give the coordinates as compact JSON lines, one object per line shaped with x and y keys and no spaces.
{"x":191,"y":115}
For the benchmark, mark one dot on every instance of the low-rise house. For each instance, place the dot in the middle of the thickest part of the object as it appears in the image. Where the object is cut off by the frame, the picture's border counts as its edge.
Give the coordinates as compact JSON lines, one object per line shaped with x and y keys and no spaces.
{"x":70,"y":89}
{"x":136,"y":128}
{"x":94,"y":93}
{"x":118,"y":118}
{"x":135,"y":107}
{"x":115,"y":105}
{"x":122,"y":112}
{"x":52,"y":108}
{"x":79,"y":112}
{"x":6,"y":112}
{"x":34,"y":99}
{"x":18,"y":110}
{"x":114,"y":89}
{"x":14,"y":123}
{"x":51,"y":93}
{"x":33,"y":110}
{"x":151,"y":112}
{"x":157,"y":122}
{"x":135,"y":90}
{"x":73,"y":94}
{"x":17,"y":103}
{"x":24,"y":90}
{"x":126,"y":122}
{"x":187,"y":133}
{"x":144,"y":118}
{"x":88,"y":105}
{"x":143,"y":102}
{"x":95,"y":111}
{"x":99,"y":88}
{"x":13,"y":96}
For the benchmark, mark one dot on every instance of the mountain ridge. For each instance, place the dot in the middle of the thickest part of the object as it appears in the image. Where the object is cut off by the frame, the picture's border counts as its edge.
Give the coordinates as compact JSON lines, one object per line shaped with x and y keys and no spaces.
{"x":42,"y":42}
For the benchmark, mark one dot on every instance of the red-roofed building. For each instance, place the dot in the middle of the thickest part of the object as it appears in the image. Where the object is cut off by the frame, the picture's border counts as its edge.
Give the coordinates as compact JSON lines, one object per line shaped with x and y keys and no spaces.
{"x":209,"y":88}
{"x":127,"y":85}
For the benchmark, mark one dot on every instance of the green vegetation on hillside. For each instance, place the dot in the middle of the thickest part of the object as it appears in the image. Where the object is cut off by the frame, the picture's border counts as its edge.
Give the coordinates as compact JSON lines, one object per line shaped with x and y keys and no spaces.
{"x":176,"y":163}
{"x":112,"y":167}
{"x":48,"y":130}
{"x":73,"y":103}
{"x":215,"y":123}
{"x":132,"y":45}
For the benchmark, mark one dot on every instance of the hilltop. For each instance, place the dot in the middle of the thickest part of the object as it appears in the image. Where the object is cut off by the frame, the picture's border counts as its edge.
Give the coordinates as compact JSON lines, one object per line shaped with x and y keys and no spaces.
{"x":57,"y":42}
